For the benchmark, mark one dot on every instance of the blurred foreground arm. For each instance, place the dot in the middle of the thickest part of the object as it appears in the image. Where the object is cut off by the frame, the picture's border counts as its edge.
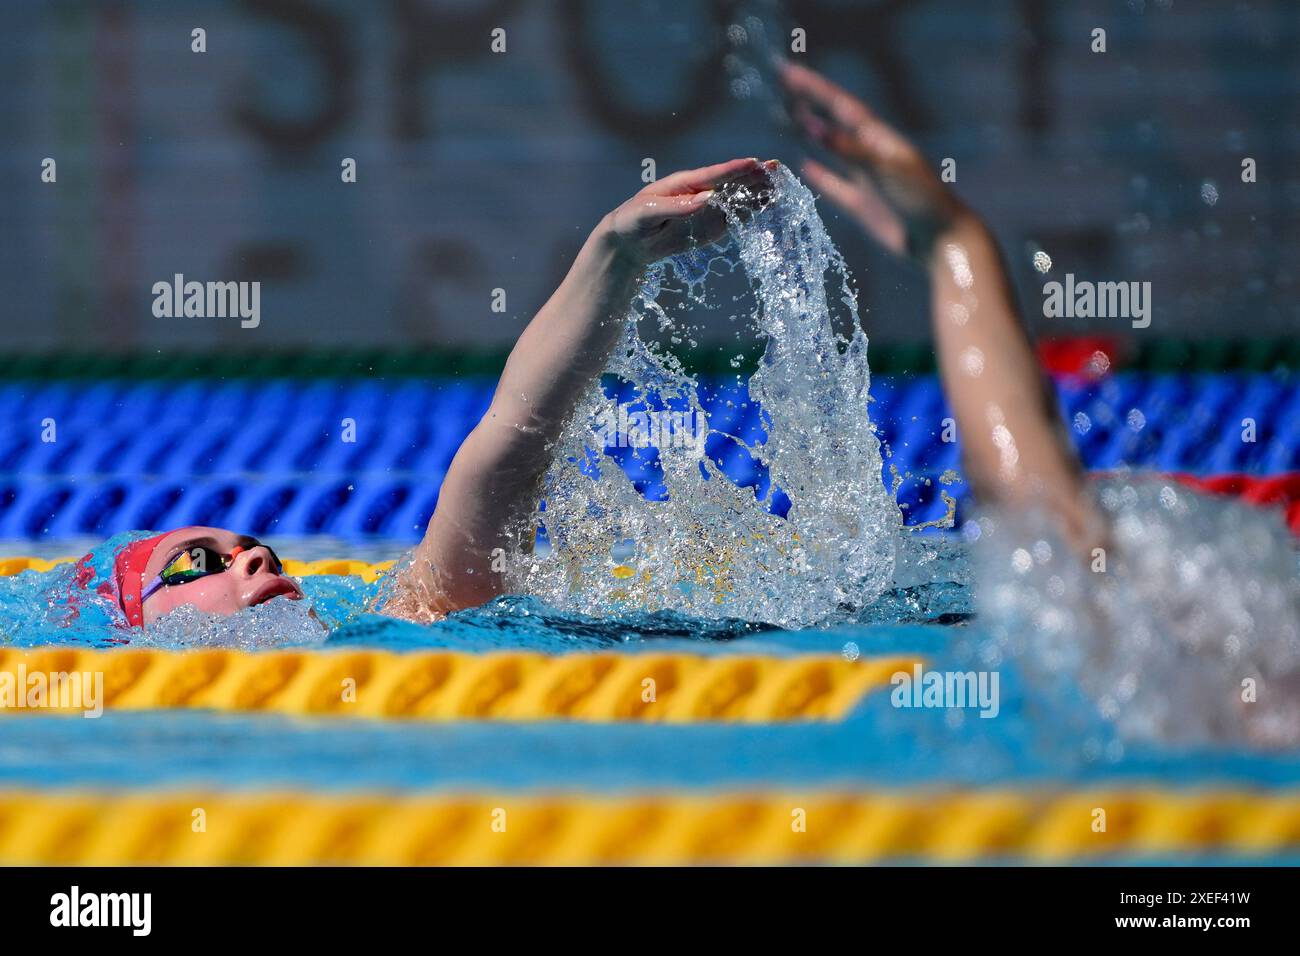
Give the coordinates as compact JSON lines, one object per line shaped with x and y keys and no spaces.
{"x":1016,"y":448}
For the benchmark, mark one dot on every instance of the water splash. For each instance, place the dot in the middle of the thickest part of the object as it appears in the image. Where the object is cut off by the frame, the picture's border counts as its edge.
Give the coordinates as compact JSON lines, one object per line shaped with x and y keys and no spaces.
{"x":273,"y":624}
{"x":708,"y":547}
{"x":1185,"y":630}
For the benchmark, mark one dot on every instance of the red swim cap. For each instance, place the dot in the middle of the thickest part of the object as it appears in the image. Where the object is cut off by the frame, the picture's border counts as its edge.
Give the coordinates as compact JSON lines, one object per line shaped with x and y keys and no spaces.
{"x":128,"y":569}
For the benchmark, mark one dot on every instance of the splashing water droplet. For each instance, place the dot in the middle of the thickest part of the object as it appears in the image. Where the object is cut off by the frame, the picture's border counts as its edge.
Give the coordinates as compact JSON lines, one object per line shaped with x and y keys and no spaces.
{"x":709,"y":547}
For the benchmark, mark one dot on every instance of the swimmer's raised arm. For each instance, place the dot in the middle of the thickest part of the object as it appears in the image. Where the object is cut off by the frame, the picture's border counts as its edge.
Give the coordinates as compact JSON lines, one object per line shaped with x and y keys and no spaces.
{"x":493,"y":483}
{"x":1014,"y":442}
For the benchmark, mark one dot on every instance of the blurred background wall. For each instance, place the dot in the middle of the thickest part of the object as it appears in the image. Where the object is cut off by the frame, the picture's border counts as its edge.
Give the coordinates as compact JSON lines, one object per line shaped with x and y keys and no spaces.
{"x":481,"y":170}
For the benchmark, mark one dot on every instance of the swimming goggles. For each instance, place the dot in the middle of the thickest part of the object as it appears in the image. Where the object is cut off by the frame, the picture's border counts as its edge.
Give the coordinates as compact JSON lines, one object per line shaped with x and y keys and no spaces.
{"x":199,"y":562}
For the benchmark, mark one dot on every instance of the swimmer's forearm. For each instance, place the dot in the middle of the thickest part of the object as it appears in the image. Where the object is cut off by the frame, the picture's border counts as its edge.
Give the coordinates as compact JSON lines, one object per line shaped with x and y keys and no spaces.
{"x":1014,"y":444}
{"x":552,"y":365}
{"x":1006,"y":412}
{"x":494,"y":481}
{"x":568,"y":342}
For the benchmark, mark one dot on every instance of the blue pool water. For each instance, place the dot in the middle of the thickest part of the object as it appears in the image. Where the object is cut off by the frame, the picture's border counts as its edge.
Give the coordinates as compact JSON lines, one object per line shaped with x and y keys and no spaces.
{"x":1034,"y":743}
{"x":1038,"y":738}
{"x":1042,"y":737}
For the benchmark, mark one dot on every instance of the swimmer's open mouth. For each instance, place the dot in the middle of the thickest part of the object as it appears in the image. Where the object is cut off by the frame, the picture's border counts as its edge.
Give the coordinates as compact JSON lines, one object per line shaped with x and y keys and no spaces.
{"x":274,"y":589}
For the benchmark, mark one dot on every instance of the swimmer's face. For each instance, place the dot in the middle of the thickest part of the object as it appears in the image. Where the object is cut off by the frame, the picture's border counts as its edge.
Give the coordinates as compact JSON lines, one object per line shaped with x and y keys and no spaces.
{"x":250,"y":580}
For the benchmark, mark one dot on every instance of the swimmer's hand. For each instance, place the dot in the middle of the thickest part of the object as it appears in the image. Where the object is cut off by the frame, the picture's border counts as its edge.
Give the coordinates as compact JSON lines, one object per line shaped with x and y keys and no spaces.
{"x":886,"y":184}
{"x":670,"y":214}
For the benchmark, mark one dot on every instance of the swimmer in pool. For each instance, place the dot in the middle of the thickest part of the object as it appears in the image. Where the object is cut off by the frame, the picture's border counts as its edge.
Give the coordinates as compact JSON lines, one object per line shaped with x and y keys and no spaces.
{"x":493,"y":482}
{"x":1015,"y":447}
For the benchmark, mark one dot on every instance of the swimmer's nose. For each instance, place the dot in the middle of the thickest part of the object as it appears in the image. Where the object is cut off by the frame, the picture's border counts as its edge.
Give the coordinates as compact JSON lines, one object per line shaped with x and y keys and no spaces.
{"x":248,"y":562}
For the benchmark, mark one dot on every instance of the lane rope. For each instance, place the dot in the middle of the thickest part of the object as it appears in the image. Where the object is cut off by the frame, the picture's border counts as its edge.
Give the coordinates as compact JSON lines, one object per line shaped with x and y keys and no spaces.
{"x":451,"y":685}
{"x":213,"y":828}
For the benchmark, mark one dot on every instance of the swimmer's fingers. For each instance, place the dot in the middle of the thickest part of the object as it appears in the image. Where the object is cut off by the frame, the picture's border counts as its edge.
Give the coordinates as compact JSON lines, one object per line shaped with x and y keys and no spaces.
{"x":651,"y":211}
{"x":833,"y":117}
{"x":690,"y":181}
{"x":751,"y":190}
{"x":810,"y":87}
{"x":900,"y":198}
{"x":668,"y":215}
{"x":747,"y":189}
{"x":861,"y":200}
